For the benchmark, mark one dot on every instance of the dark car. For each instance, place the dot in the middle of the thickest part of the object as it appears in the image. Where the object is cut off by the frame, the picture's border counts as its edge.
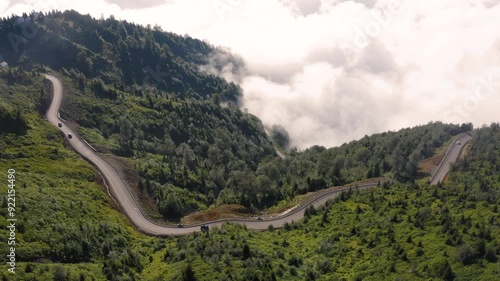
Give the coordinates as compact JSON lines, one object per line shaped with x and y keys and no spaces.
{"x":180,"y":225}
{"x":59,"y":124}
{"x":204,"y":227}
{"x":70,"y":136}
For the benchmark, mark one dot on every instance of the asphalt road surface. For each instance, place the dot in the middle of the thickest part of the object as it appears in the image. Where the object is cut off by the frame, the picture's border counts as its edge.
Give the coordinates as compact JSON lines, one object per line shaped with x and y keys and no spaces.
{"x":450,"y":157}
{"x":128,"y":204}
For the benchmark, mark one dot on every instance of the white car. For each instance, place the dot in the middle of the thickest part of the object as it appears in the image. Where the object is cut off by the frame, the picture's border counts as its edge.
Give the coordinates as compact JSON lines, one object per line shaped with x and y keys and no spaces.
{"x":459,"y":143}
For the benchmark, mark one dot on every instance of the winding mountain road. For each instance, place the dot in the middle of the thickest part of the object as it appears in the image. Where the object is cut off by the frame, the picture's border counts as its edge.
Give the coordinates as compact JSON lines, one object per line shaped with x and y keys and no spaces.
{"x":127,"y":202}
{"x":450,"y":157}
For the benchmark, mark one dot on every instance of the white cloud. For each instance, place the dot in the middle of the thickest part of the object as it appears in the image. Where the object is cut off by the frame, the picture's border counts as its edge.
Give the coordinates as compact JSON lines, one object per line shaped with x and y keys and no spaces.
{"x":418,"y":63}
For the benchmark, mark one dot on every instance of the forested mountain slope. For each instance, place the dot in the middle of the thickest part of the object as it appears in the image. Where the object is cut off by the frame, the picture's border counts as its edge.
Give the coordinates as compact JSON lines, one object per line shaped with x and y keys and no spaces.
{"x":118,"y":53}
{"x":191,"y":152}
{"x":185,"y":150}
{"x":409,"y":231}
{"x":65,"y":226}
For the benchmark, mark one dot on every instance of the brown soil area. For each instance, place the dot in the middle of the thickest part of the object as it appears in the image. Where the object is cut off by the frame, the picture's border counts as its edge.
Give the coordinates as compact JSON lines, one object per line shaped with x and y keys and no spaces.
{"x":220,"y":212}
{"x":430,"y":164}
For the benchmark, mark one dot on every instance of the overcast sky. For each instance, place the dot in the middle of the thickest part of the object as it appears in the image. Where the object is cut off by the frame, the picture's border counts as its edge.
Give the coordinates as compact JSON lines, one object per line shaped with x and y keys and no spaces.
{"x":331,"y":71}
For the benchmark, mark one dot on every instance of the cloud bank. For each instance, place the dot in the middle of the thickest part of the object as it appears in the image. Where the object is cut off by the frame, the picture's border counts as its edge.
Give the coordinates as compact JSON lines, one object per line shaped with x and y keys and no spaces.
{"x":330,"y":71}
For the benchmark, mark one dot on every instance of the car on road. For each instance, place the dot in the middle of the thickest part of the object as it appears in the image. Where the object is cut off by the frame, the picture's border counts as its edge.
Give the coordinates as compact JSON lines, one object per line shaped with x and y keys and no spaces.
{"x":70,"y":136}
{"x":204,"y":227}
{"x":180,"y":225}
{"x":459,"y":143}
{"x":59,"y":124}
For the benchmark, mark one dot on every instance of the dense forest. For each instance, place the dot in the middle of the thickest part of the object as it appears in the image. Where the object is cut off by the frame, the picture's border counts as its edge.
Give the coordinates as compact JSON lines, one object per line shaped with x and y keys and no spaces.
{"x":12,"y":121}
{"x":67,"y":229}
{"x":190,"y":148}
{"x":193,"y":149}
{"x":409,"y":231}
{"x":191,"y":154}
{"x":63,"y":215}
{"x":116,"y":53}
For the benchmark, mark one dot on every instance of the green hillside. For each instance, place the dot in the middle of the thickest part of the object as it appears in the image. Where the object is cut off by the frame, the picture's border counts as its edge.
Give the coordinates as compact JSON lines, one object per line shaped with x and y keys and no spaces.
{"x":190,"y":153}
{"x":64,"y":216}
{"x":411,"y":231}
{"x":115,"y":52}
{"x":186,"y":147}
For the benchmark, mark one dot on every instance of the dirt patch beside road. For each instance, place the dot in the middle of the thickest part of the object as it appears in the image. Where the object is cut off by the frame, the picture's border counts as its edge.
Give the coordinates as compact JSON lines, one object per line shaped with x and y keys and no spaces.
{"x":430,"y":164}
{"x":219,"y":212}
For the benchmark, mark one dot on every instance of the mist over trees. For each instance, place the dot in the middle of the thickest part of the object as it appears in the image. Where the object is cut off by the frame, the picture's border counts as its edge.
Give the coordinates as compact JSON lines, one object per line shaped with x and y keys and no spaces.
{"x":192,"y":153}
{"x":411,"y":230}
{"x":119,"y":53}
{"x":280,"y":136}
{"x":142,"y":93}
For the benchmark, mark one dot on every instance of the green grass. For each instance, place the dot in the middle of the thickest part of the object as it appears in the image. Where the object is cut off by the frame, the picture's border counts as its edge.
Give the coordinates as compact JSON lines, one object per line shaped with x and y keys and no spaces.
{"x":286,"y":204}
{"x":355,"y":246}
{"x":56,"y":194}
{"x":63,"y":214}
{"x":67,"y":229}
{"x":98,"y":141}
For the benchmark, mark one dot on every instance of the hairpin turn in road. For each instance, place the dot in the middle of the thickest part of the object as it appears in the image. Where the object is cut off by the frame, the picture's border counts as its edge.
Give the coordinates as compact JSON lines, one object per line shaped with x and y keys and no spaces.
{"x":127,"y":202}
